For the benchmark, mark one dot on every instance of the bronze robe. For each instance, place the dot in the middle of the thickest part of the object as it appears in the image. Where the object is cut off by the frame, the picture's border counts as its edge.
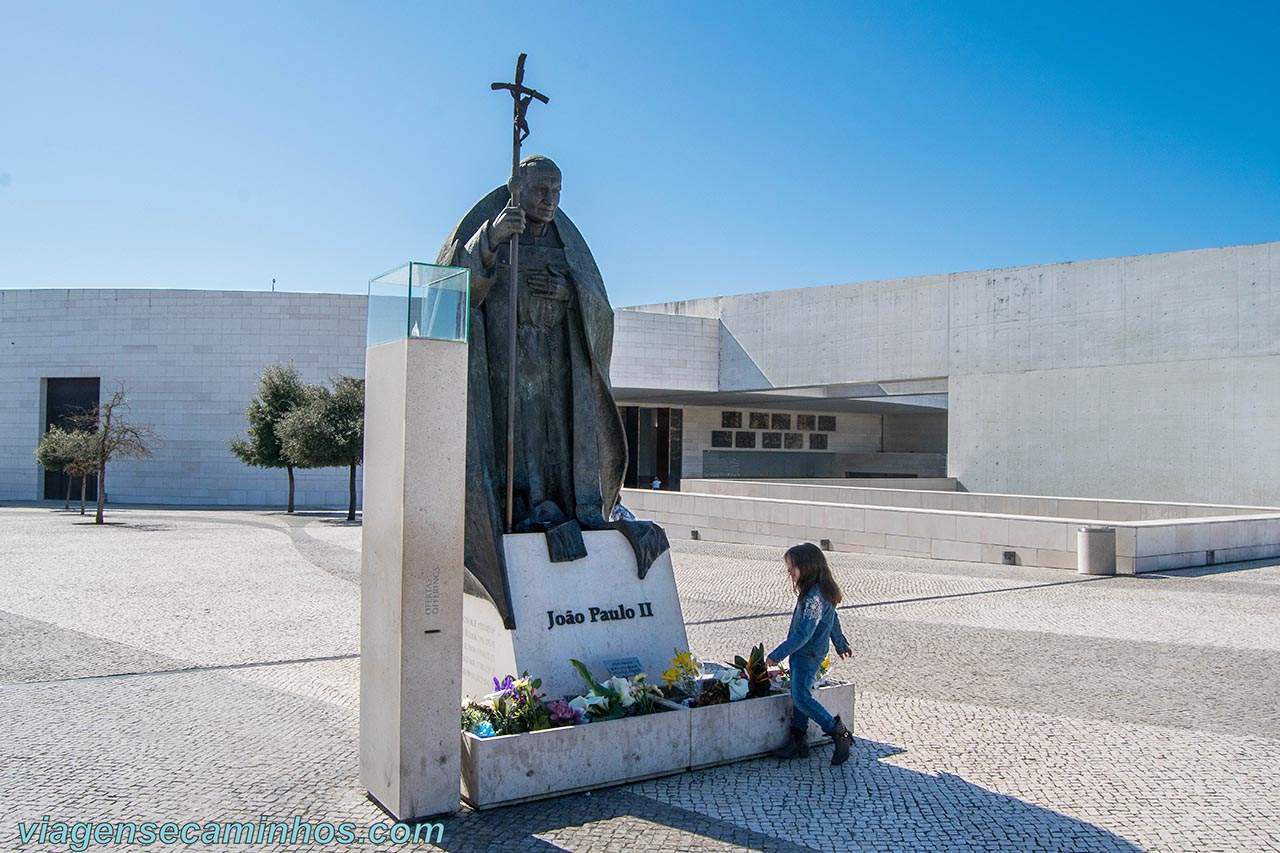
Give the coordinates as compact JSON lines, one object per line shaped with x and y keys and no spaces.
{"x":587,"y":464}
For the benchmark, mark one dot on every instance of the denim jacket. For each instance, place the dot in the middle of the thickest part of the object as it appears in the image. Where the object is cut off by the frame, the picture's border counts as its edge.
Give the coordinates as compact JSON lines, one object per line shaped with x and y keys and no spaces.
{"x":814,"y":625}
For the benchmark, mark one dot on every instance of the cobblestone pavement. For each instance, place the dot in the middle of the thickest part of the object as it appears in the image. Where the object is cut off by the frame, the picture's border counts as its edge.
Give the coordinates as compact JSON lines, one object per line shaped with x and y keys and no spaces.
{"x":201,"y":665}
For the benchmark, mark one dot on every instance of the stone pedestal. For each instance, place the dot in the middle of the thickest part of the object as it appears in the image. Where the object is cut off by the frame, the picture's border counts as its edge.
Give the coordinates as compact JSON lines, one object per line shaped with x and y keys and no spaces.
{"x":594,"y":610}
{"x":411,"y":575}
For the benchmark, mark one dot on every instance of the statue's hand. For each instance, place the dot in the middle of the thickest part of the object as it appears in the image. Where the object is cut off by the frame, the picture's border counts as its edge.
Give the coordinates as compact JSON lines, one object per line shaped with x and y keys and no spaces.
{"x":549,"y":283}
{"x":508,"y":223}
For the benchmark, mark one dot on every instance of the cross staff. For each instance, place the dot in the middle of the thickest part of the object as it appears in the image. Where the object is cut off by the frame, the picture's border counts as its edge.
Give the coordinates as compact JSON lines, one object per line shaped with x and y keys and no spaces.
{"x":523,"y":97}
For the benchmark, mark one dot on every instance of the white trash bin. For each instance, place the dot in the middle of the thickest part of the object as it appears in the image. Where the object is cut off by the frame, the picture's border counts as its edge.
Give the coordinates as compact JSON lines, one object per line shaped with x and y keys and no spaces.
{"x":1096,"y":550}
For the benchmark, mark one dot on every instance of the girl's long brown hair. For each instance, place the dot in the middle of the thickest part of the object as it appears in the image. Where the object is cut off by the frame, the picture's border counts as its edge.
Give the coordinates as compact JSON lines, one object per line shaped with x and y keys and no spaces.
{"x":812,"y":563}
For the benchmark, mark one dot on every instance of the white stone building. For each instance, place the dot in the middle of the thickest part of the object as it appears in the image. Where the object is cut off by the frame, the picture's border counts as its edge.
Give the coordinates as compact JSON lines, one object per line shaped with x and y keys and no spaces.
{"x":1148,"y":377}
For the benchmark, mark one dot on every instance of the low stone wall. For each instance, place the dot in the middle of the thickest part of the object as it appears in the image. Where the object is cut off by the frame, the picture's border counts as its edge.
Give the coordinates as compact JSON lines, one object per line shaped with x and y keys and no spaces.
{"x":926,"y":496}
{"x":950,"y":535}
{"x":937,"y":484}
{"x":1203,"y":542}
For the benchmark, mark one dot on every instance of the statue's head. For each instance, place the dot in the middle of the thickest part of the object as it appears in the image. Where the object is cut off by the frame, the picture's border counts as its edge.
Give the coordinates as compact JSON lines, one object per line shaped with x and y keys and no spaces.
{"x":538,"y":184}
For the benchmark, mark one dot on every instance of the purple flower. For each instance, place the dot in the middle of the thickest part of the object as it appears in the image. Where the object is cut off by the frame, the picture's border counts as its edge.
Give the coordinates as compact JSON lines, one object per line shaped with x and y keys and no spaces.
{"x":562,"y":714}
{"x":507,"y":686}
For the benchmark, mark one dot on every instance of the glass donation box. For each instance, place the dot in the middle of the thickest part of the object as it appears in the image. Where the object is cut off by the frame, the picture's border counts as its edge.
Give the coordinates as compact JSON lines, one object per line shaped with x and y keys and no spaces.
{"x":420,"y":301}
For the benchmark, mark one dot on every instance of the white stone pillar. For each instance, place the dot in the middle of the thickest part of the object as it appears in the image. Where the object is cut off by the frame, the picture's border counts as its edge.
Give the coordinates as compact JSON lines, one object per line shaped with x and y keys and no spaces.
{"x":411,"y":575}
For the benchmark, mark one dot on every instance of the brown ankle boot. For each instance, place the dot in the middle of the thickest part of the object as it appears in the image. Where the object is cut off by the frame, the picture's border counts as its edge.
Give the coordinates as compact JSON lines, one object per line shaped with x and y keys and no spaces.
{"x":797,"y":745}
{"x":843,"y":740}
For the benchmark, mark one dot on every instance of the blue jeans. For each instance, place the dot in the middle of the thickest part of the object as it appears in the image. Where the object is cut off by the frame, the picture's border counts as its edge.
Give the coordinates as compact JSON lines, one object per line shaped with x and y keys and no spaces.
{"x":803,"y":706}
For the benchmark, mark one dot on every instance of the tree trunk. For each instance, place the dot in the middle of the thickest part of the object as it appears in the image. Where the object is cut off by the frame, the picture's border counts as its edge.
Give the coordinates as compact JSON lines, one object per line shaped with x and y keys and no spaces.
{"x":290,"y":467}
{"x":102,"y":492}
{"x":83,"y":488}
{"x":67,"y":504}
{"x":351,"y":508}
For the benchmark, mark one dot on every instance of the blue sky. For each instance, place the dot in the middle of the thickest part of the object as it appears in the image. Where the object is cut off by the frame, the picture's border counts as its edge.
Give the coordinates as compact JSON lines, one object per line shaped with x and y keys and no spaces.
{"x":708,"y":148}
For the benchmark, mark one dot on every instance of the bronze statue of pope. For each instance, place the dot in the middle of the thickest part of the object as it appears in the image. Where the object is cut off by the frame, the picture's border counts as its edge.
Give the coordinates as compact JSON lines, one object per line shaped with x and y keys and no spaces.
{"x":570,"y":451}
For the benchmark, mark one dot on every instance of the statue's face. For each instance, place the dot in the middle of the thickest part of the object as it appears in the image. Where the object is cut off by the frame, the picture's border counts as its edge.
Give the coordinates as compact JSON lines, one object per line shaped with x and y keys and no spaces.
{"x":540,"y":194}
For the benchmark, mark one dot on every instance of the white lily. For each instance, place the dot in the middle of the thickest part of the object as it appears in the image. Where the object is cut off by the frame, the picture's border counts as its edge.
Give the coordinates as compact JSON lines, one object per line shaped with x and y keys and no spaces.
{"x":596,"y":701}
{"x":622,"y":687}
{"x":581,"y":704}
{"x":735,"y":681}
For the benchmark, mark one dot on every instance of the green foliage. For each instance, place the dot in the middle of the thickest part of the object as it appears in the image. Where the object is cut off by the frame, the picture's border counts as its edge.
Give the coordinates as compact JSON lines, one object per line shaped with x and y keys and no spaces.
{"x":581,"y":667}
{"x":474,"y":713}
{"x":519,"y":708}
{"x":645,"y":696}
{"x":756,"y":671}
{"x":280,"y":391}
{"x":60,"y":448}
{"x":327,"y":427}
{"x":616,"y":698}
{"x":516,"y":707}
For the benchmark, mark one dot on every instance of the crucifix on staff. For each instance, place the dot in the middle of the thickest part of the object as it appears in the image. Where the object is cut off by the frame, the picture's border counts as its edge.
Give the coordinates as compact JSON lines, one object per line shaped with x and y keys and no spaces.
{"x":522,"y":97}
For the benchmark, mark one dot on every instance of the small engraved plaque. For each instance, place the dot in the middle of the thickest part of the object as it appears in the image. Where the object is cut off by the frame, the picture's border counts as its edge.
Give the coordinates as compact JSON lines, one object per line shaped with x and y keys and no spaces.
{"x":624,"y":667}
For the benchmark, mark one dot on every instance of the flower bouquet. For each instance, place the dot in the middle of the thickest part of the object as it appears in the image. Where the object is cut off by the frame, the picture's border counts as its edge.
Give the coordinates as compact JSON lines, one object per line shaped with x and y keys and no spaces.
{"x":614,"y":698}
{"x":684,"y":677}
{"x":515,"y":707}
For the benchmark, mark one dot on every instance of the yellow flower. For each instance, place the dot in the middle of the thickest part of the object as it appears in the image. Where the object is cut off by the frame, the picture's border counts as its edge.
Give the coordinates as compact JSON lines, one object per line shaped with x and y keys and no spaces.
{"x":684,"y":667}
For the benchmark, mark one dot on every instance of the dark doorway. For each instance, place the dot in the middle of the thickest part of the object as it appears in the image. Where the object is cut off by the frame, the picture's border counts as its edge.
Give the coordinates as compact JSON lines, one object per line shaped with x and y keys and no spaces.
{"x":65,"y":398}
{"x":654,"y":445}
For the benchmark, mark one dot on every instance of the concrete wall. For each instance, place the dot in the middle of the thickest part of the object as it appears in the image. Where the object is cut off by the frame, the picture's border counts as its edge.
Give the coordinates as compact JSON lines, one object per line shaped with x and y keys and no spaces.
{"x":869,"y":332}
{"x":655,"y":351}
{"x":938,"y":484}
{"x":1146,"y":377}
{"x":896,"y":464}
{"x":854,"y":432}
{"x":190,"y":362}
{"x":918,"y":531}
{"x":870,"y":493}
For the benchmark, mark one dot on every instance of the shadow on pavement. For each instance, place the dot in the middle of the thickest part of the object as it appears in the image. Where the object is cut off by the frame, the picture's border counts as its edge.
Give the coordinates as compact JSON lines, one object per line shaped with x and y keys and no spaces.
{"x":788,"y":807}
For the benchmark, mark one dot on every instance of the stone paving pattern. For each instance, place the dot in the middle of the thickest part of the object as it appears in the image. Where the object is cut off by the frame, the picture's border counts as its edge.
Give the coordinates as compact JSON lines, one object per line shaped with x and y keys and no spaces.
{"x":193,"y":665}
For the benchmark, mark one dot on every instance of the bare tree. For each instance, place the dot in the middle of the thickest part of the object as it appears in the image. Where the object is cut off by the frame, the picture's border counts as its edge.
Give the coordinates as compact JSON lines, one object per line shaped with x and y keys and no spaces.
{"x":112,"y":437}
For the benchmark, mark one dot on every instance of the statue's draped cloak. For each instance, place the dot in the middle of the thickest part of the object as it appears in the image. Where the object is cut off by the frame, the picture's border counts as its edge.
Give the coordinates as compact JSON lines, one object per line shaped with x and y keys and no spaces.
{"x":594,"y":405}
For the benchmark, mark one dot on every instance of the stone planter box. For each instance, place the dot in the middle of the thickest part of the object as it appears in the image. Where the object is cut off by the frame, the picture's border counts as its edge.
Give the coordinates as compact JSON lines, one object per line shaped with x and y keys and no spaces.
{"x":511,"y":769}
{"x":748,"y":728}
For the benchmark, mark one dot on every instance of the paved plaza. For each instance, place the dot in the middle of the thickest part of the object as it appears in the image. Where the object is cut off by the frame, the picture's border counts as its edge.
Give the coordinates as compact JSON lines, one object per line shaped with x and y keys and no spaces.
{"x":203,"y":665}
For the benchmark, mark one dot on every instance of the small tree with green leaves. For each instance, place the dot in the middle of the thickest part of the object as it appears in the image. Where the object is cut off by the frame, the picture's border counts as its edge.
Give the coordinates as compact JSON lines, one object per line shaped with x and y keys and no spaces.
{"x":111,"y":436}
{"x":280,"y":391}
{"x":69,"y":452}
{"x":327,"y":430}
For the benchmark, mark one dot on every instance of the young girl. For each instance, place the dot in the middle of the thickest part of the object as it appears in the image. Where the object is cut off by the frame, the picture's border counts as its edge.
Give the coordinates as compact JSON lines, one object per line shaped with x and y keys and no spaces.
{"x":814,"y":626}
